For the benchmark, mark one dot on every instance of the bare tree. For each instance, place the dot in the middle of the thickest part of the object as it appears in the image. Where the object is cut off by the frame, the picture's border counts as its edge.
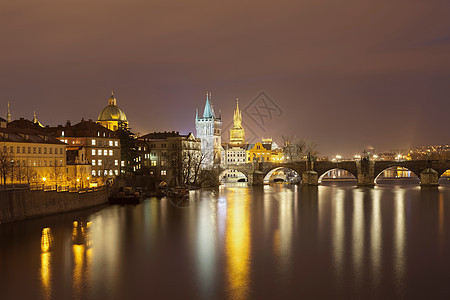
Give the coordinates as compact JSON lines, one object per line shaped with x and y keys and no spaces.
{"x":106,"y":167}
{"x":57,"y":172}
{"x":293,"y":148}
{"x":28,"y":172}
{"x":5,"y":163}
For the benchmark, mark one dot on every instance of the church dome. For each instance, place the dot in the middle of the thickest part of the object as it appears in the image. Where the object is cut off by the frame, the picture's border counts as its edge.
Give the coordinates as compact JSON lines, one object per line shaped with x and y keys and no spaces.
{"x":112,"y":112}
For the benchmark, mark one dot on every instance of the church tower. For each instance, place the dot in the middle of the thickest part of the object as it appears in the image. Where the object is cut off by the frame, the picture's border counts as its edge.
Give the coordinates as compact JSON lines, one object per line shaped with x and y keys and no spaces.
{"x":237,"y":132}
{"x":209,"y":131}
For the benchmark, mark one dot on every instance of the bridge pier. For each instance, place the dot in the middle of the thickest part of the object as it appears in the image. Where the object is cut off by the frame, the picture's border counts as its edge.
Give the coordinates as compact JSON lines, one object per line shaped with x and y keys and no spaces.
{"x":256,"y":178}
{"x":429,"y":177}
{"x":365,"y":171}
{"x":310,"y":178}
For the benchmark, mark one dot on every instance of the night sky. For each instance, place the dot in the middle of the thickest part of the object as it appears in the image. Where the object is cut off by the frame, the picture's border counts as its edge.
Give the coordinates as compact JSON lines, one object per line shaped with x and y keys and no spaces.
{"x":344,"y":74}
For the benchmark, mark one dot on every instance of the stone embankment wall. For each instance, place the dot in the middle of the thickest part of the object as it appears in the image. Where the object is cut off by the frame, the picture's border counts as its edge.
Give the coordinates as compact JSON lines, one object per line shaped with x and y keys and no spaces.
{"x":18,"y":205}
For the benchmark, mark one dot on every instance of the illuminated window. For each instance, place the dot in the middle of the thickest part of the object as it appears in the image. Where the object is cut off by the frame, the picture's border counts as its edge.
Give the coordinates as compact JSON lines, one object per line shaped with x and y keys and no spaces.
{"x":99,"y":173}
{"x":163,"y":172}
{"x":116,"y":162}
{"x":153,"y":163}
{"x":93,"y":172}
{"x":110,"y":153}
{"x":116,"y":143}
{"x":122,"y":163}
{"x":93,"y":151}
{"x":116,"y":172}
{"x":93,"y":162}
{"x":99,"y":162}
{"x":105,"y":152}
{"x":93,"y":142}
{"x":111,"y":172}
{"x":110,"y":143}
{"x":62,"y":133}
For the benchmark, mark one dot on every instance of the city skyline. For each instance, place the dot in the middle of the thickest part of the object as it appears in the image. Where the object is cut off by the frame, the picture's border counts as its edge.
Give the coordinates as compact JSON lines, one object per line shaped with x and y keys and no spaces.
{"x":346,"y":76}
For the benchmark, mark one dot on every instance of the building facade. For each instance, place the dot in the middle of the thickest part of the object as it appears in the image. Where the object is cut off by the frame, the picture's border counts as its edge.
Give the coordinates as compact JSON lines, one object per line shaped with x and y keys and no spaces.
{"x":30,"y":156}
{"x":237,"y":132}
{"x":95,"y":145}
{"x":169,"y":156}
{"x":208,"y":129}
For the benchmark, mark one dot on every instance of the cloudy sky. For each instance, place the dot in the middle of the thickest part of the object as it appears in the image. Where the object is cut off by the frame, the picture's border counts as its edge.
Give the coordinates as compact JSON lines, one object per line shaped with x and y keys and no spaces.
{"x":344,"y":74}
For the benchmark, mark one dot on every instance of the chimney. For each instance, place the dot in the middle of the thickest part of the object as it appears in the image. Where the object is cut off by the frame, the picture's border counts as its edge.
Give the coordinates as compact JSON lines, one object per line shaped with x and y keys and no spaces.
{"x":68,"y":123}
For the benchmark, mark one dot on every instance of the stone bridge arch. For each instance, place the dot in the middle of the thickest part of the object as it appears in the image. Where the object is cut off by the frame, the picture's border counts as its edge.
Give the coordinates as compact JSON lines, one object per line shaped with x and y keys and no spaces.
{"x":270,"y":171}
{"x":324,"y":167}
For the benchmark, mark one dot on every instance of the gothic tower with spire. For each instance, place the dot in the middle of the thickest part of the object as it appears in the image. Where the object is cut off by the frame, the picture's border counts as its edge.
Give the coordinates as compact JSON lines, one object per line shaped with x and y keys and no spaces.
{"x":209,"y":131}
{"x":237,"y":132}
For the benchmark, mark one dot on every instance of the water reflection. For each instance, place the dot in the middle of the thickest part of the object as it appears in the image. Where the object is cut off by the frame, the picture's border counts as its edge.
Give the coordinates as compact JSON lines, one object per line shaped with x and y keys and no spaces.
{"x":376,"y":237}
{"x":358,"y":235}
{"x":82,"y":255}
{"x":46,"y":268}
{"x":338,"y":236}
{"x":283,"y":236}
{"x":237,"y":243}
{"x":399,"y":240}
{"x":277,"y":241}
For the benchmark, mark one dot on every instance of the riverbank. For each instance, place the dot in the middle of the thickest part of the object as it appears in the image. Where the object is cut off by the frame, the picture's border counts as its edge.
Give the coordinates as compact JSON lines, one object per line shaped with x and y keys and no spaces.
{"x":16,"y":205}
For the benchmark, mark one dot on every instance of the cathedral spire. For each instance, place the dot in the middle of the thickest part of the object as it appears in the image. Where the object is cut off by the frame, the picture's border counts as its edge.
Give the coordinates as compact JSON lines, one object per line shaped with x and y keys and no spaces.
{"x":208,"y":113}
{"x":237,"y":115}
{"x":8,"y":115}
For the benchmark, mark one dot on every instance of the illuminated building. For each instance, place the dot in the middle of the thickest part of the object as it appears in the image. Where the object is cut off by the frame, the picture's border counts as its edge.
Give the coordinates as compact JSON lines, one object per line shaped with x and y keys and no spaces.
{"x":259,"y":152}
{"x":265,"y":151}
{"x":165,"y":155}
{"x":112,"y":117}
{"x":94,"y":144}
{"x":234,"y":152}
{"x":29,"y":154}
{"x":209,"y":132}
{"x":237,"y":132}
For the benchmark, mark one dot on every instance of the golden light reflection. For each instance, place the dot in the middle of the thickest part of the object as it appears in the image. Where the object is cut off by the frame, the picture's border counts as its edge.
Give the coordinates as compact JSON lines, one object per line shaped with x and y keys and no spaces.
{"x":283,"y":237}
{"x":237,"y":244}
{"x":82,"y":252}
{"x":46,"y":239}
{"x":399,"y":238}
{"x":358,"y":234}
{"x":46,"y":270}
{"x":375,"y":237}
{"x":338,"y":233}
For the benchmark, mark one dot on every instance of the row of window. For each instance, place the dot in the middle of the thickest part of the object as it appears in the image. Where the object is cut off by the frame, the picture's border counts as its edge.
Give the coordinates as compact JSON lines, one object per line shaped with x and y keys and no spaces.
{"x":236,"y":154}
{"x":33,"y":150}
{"x":105,"y":172}
{"x":99,"y":162}
{"x":107,"y":143}
{"x":39,"y":163}
{"x":104,"y":151}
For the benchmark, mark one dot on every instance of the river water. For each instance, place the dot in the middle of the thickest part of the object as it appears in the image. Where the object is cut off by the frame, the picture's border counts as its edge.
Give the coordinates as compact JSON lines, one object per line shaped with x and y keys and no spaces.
{"x":237,"y":242}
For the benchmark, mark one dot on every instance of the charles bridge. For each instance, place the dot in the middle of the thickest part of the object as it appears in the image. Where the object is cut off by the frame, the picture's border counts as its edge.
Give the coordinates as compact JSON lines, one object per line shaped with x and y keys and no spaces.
{"x":365,"y":171}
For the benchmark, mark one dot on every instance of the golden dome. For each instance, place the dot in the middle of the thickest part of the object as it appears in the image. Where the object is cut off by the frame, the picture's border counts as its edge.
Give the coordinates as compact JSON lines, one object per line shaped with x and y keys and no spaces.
{"x":112,"y":112}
